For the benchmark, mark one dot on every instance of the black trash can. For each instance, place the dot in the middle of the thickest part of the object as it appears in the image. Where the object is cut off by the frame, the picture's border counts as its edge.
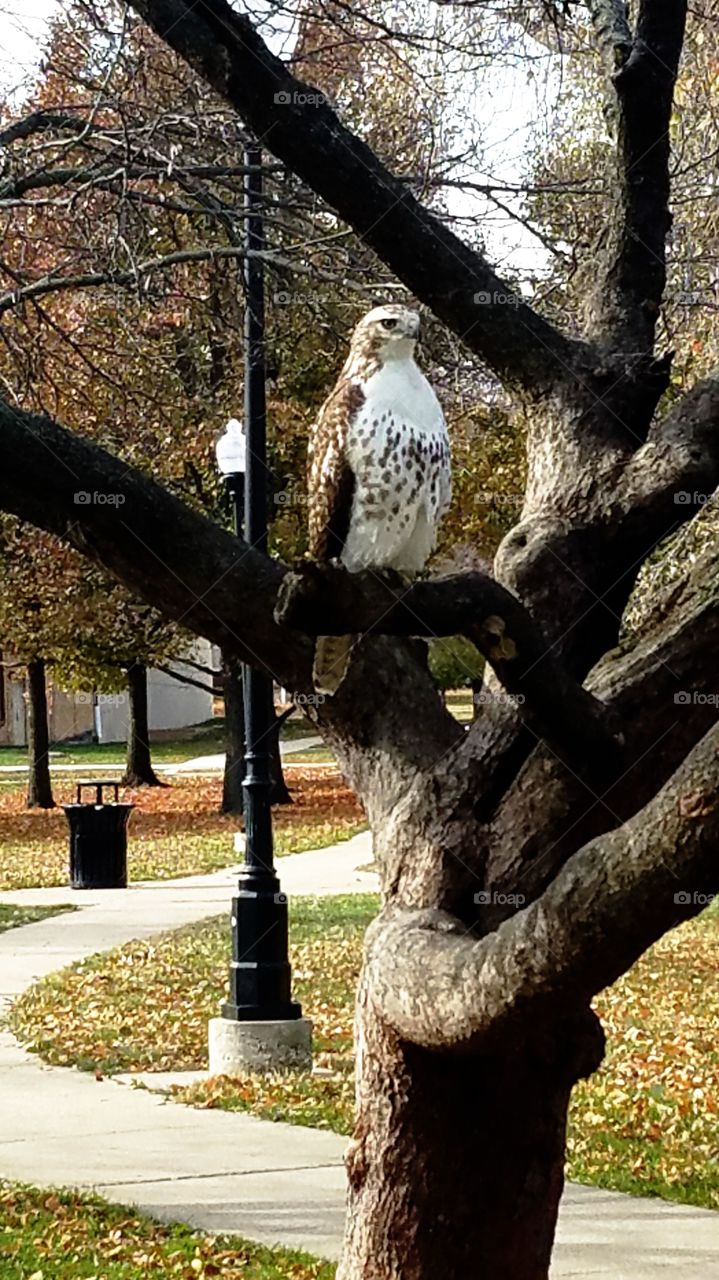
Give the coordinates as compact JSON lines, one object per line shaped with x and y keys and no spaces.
{"x":98,"y":839}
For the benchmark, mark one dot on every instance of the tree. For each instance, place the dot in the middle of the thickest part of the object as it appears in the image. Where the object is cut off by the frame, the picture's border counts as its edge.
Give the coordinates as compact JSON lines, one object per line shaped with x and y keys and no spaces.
{"x":527,"y":863}
{"x":138,"y":770}
{"x":39,"y":786}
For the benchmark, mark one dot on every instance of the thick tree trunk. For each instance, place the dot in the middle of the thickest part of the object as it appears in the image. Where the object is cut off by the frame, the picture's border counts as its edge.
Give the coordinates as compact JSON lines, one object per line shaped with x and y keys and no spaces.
{"x":139,"y":771}
{"x":456,"y":1164}
{"x":232,"y":791}
{"x":39,"y":786}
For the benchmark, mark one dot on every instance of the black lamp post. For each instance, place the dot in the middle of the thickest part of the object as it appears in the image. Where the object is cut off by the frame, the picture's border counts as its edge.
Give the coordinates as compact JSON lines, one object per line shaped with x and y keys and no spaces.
{"x":260,"y":979}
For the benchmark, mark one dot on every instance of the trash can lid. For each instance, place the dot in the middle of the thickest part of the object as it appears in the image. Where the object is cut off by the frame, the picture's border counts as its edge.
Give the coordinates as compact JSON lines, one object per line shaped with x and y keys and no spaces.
{"x":99,"y":785}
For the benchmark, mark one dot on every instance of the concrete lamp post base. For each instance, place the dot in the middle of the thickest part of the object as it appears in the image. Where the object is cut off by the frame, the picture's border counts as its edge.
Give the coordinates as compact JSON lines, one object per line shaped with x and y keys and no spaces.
{"x":237,"y":1048}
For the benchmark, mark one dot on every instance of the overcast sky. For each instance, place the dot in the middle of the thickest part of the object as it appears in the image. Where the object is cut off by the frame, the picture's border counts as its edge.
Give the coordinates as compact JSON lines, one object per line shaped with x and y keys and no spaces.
{"x":22,"y":28}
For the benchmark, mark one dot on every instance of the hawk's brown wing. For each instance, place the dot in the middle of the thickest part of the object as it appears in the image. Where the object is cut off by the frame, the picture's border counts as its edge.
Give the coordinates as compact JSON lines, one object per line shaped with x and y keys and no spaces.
{"x":330,"y":479}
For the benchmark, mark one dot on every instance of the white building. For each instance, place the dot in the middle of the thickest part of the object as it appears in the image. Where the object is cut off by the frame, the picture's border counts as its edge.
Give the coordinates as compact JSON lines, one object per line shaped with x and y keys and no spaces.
{"x":172,"y":704}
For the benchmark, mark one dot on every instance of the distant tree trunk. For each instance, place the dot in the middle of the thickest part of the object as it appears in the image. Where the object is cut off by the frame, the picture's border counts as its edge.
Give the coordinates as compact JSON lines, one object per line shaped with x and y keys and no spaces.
{"x":232,"y":792}
{"x":39,"y":786}
{"x":280,"y":790}
{"x":139,"y":771}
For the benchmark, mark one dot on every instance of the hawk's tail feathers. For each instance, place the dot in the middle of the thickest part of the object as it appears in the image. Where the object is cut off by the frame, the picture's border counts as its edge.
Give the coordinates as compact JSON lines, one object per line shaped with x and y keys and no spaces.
{"x":332,"y":658}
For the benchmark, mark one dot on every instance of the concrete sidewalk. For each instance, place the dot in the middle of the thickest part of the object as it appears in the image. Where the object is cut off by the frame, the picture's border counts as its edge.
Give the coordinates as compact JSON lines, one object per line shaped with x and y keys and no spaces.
{"x":228,"y":1172}
{"x":109,"y":917}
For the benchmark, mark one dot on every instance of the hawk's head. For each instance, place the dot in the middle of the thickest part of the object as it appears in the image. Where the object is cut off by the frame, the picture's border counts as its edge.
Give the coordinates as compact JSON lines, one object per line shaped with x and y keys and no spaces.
{"x":385,"y":333}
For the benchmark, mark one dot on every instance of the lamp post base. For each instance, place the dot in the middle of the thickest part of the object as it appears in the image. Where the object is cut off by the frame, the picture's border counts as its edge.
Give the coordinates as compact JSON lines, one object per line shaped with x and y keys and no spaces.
{"x":237,"y":1048}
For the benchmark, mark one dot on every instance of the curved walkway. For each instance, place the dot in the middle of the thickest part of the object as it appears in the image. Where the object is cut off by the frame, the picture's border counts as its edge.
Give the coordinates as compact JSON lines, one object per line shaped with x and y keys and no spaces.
{"x":220,"y":1171}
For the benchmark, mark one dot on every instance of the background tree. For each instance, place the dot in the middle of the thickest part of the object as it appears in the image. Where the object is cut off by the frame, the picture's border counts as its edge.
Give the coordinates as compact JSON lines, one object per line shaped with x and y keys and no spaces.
{"x":119,"y":142}
{"x":59,"y":615}
{"x":527,"y":863}
{"x":32,"y":625}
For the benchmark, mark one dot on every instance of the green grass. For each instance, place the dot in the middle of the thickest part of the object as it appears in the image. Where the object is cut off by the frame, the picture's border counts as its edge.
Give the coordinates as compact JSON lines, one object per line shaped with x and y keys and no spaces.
{"x":145,"y":1006}
{"x":198,"y":740}
{"x":646,"y":1123}
{"x":170,"y":751}
{"x":315,"y":755}
{"x":12,"y":917}
{"x":459,"y":702}
{"x":60,"y":1235}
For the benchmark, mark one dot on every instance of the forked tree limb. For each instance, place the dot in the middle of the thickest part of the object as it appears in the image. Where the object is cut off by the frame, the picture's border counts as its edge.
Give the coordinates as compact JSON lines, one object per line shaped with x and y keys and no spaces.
{"x":439,"y":987}
{"x":326,"y":600}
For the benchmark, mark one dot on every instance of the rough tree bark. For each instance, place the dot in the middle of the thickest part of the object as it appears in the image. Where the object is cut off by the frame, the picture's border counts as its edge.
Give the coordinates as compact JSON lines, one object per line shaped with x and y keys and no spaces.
{"x":39,"y":785}
{"x":527,"y":863}
{"x":138,"y":770}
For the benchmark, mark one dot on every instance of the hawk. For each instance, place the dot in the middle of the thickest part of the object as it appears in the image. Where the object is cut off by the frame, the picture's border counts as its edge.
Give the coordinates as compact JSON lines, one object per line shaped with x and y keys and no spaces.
{"x":379,"y":472}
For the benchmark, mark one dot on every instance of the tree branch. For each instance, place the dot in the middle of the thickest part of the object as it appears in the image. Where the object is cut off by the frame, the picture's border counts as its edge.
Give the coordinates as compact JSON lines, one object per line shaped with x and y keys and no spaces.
{"x":663,"y":687}
{"x":440,"y":988}
{"x":626,"y":305}
{"x":298,"y":125}
{"x":211,"y":582}
{"x":215,"y":585}
{"x":98,"y":173}
{"x":613,"y":31}
{"x":41,"y":122}
{"x":183,"y":679}
{"x":326,"y":600}
{"x":133,"y":276}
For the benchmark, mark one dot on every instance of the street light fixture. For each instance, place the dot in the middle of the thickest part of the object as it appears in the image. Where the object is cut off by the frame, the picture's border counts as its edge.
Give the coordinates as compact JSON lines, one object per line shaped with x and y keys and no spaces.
{"x":261,"y":1027}
{"x":231,"y":451}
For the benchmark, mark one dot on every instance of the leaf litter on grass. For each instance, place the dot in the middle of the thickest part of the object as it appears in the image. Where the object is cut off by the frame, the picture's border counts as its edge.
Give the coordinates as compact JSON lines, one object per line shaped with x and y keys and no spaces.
{"x":174,"y":831}
{"x":647,"y":1121}
{"x":60,"y":1235}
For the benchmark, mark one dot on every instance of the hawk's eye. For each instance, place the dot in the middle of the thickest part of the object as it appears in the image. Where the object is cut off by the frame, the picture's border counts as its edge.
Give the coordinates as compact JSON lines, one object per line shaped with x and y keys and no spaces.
{"x":389,"y":324}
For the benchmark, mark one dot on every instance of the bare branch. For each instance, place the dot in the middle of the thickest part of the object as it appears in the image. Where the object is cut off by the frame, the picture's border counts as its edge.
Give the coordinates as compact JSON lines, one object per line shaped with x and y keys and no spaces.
{"x":41,"y":122}
{"x":135,"y":277}
{"x":138,"y":276}
{"x":184,"y":679}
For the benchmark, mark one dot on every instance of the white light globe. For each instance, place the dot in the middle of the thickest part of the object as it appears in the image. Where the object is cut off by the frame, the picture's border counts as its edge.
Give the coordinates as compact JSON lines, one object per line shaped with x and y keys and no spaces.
{"x":231,"y":449}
